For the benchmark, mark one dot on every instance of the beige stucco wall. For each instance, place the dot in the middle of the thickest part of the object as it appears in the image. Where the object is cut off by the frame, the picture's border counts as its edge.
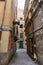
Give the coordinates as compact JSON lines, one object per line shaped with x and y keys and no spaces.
{"x":8,"y":13}
{"x":9,"y":17}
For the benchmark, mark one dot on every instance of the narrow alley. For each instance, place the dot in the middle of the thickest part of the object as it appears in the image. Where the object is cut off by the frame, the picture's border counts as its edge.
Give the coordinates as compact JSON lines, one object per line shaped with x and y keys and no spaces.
{"x":22,"y":58}
{"x":21,"y":32}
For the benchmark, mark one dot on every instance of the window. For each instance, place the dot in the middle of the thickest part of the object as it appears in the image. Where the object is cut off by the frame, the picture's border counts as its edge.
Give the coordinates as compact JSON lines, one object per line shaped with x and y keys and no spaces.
{"x":21,"y":18}
{"x":21,"y":25}
{"x":2,"y":0}
{"x":21,"y":35}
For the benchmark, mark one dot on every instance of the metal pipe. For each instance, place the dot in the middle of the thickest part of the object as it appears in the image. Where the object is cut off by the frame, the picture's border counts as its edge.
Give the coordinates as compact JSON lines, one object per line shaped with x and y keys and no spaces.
{"x":36,"y":30}
{"x":4,"y":12}
{"x":4,"y":28}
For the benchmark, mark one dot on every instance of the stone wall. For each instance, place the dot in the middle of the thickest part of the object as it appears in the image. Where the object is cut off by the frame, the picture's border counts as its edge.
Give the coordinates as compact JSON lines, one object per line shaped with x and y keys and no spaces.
{"x":6,"y":57}
{"x":39,"y":35}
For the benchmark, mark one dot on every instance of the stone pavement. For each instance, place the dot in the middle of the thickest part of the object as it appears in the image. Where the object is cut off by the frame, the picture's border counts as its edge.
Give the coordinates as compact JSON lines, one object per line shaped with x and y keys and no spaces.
{"x":22,"y":58}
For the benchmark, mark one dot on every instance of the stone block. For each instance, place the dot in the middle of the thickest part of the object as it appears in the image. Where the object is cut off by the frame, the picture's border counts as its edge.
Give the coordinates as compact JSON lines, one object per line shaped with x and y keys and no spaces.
{"x":39,"y":48}
{"x":4,"y":58}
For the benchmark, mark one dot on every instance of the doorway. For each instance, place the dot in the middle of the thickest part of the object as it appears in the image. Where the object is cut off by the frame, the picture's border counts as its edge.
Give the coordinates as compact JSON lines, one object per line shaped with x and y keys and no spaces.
{"x":21,"y":44}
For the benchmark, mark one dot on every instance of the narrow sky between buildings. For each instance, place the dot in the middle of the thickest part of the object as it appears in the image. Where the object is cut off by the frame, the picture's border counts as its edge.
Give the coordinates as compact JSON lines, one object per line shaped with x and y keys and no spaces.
{"x":21,"y":4}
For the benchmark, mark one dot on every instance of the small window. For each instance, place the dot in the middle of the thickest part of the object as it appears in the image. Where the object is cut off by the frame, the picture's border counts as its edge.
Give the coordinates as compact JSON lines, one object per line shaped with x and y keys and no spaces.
{"x":21,"y":35}
{"x":21,"y":25}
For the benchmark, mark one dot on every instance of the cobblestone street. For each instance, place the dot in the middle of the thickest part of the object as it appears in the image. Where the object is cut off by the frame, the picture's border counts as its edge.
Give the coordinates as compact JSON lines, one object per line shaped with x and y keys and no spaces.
{"x":21,"y":58}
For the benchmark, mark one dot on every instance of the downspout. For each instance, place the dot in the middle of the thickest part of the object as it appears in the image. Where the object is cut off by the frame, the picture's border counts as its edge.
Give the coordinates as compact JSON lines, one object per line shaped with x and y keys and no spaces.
{"x":3,"y":14}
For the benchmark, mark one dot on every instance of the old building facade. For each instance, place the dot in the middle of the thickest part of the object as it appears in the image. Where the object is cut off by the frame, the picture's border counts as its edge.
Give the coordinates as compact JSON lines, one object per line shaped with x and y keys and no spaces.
{"x":33,"y":16}
{"x":21,"y":43}
{"x":8,"y":15}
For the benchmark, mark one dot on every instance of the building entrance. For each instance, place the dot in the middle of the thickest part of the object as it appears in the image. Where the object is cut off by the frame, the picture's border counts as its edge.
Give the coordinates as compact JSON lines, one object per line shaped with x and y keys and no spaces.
{"x":21,"y":44}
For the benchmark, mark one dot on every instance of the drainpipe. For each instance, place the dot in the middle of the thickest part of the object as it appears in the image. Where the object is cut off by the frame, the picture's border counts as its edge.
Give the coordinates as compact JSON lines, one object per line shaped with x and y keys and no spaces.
{"x":4,"y":13}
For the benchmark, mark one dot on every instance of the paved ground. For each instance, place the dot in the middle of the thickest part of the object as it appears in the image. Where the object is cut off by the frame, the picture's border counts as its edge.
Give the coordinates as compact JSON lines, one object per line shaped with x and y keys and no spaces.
{"x":22,"y":58}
